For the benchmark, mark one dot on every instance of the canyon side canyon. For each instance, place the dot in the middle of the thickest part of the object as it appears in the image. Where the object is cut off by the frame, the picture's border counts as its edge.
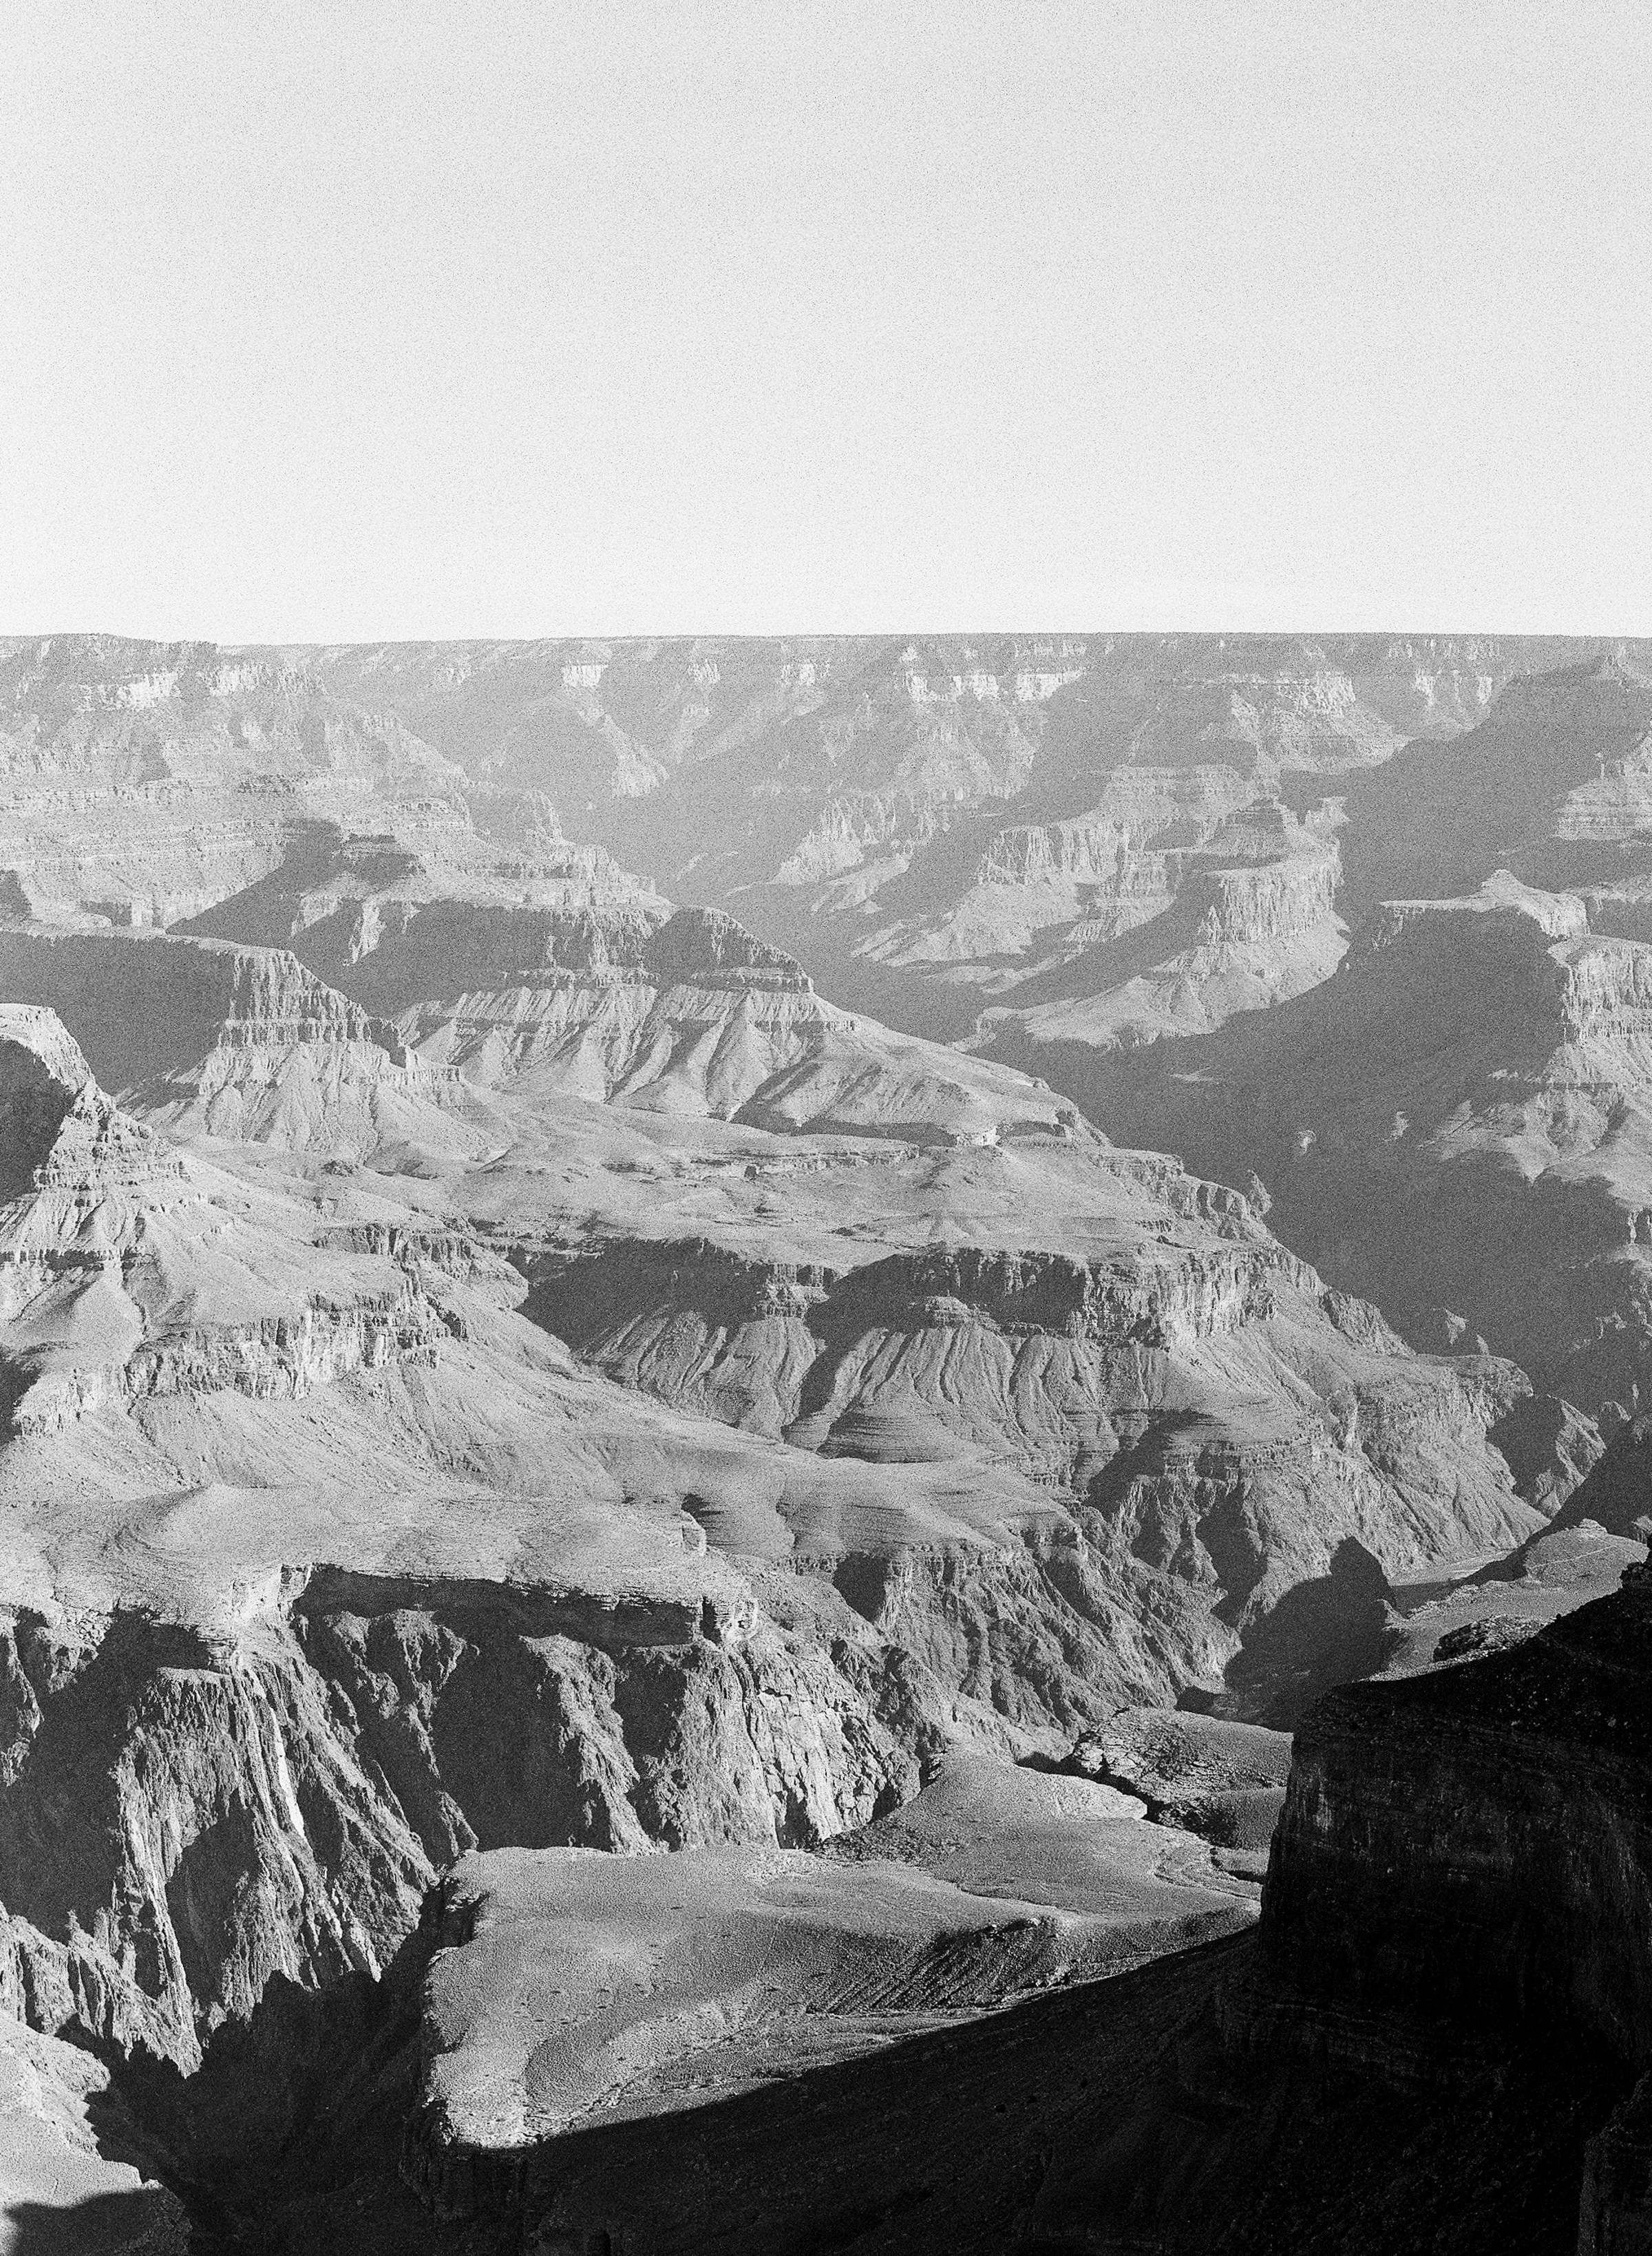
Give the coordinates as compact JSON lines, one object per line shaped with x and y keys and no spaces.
{"x":831,"y":1444}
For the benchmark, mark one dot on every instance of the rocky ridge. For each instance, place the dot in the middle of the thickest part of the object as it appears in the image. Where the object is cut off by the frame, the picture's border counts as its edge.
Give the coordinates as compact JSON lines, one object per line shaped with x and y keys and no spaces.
{"x":839,"y":795}
{"x":1454,"y":1125}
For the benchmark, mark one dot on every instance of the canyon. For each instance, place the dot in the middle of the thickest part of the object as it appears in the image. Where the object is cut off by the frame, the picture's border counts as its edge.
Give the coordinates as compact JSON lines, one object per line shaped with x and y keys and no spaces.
{"x":825,"y":1443}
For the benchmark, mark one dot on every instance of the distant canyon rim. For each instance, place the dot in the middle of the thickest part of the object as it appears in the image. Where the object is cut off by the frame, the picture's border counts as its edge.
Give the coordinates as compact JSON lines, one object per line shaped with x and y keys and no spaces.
{"x":825,"y":1443}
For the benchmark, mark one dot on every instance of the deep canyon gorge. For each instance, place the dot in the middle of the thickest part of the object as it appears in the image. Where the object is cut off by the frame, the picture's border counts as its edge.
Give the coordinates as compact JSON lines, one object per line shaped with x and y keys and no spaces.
{"x":830,"y":1444}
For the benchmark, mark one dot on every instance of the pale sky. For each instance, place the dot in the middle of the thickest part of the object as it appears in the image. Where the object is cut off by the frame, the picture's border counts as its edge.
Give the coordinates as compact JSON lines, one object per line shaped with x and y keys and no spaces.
{"x":344,"y":321}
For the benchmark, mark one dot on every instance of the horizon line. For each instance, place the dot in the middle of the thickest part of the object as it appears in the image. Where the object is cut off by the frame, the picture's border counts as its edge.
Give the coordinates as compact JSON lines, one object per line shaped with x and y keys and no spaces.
{"x":839,"y":634}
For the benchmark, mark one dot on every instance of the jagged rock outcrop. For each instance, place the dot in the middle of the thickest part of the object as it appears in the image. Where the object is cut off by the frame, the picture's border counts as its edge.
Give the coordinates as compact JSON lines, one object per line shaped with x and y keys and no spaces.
{"x":59,"y":1132}
{"x":177,"y":1824}
{"x":1225,"y":1781}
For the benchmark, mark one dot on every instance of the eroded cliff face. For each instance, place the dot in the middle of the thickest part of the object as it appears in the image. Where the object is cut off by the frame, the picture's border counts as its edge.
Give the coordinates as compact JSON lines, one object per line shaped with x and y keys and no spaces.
{"x":179,"y":1821}
{"x":393,"y":929}
{"x":243,"y":1044}
{"x":185,"y":1814}
{"x":1472,"y":1844}
{"x":842,"y":794}
{"x":216,"y":1771}
{"x":1162,"y":770}
{"x":1433,"y":2044}
{"x":117,"y":1286}
{"x":527,"y":1718}
{"x":59,"y":1132}
{"x":1550,"y":784}
{"x":593,"y":1394}
{"x":1435,"y":2038}
{"x":188,"y":1811}
{"x":953,"y":1492}
{"x":500,"y":1602}
{"x":784,"y":1346}
{"x":1452,"y":1126}
{"x":1179,"y":897}
{"x":1276,"y":902}
{"x":1191,"y":1539}
{"x":1126,"y":1534}
{"x":141,"y":1006}
{"x":544,"y":985}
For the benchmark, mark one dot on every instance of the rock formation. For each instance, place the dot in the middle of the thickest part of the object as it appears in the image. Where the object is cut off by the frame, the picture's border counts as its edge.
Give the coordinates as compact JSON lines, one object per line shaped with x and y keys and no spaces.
{"x":545,"y":1440}
{"x":849,"y":798}
{"x":1470,"y":1844}
{"x":1453,"y":1126}
{"x":142,"y":780}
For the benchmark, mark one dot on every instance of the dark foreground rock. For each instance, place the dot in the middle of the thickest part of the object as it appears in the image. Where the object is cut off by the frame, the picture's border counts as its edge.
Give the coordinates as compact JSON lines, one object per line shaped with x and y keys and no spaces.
{"x":1112,"y":2117}
{"x":1432,"y":2043}
{"x":1435,"y":2040}
{"x":1477,"y":1844}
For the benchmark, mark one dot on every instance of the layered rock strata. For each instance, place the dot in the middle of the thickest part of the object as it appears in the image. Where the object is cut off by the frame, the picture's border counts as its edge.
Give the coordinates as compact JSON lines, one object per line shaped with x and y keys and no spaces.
{"x":1454,"y":1125}
{"x":243,"y":1044}
{"x":1087,"y":1377}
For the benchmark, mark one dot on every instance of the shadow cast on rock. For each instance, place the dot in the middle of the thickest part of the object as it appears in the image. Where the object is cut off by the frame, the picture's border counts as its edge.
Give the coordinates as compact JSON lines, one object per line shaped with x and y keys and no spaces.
{"x":1331,"y":1630}
{"x":145,"y":2221}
